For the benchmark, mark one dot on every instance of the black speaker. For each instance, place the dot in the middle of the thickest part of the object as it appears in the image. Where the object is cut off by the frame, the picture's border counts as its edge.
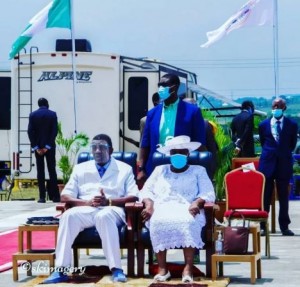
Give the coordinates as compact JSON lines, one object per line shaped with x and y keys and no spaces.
{"x":65,"y":45}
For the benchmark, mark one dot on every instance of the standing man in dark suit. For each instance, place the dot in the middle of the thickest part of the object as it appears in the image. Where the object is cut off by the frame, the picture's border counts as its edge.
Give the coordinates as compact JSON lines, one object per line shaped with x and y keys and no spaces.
{"x":42,"y":131}
{"x":242,"y":131}
{"x":278,"y":138}
{"x":172,"y":117}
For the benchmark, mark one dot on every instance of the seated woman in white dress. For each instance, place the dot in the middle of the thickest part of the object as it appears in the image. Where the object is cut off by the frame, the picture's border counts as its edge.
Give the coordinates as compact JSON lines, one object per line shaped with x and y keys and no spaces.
{"x":174,"y":196}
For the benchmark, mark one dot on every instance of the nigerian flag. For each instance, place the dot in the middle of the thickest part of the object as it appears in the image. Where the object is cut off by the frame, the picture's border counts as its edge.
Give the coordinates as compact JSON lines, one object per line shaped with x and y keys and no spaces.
{"x":55,"y":15}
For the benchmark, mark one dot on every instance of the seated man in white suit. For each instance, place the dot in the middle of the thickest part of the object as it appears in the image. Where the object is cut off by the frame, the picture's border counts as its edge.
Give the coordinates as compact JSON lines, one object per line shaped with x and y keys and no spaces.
{"x":98,"y":190}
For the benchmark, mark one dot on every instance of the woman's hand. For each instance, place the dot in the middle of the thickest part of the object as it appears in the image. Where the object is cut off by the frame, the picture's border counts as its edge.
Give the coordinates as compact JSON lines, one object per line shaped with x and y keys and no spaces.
{"x":147,"y":213}
{"x":194,"y":209}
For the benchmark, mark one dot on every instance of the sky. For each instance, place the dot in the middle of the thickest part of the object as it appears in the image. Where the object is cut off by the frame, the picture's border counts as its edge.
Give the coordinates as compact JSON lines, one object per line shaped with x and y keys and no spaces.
{"x":239,"y":65}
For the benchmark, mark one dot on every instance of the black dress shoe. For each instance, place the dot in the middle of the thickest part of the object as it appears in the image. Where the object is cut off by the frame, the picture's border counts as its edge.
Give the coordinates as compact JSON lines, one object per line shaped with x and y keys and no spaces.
{"x":56,"y":199}
{"x":41,"y":200}
{"x":262,"y":232}
{"x":288,"y":232}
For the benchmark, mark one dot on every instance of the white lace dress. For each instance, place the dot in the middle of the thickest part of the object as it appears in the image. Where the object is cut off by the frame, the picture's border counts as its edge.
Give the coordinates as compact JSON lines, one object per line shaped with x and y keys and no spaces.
{"x":171,"y":224}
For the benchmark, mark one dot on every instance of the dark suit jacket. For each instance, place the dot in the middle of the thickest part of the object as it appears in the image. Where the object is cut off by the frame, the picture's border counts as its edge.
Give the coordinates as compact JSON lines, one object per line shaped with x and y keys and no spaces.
{"x":189,"y":121}
{"x":42,"y":128}
{"x":277,"y":156}
{"x":242,"y":128}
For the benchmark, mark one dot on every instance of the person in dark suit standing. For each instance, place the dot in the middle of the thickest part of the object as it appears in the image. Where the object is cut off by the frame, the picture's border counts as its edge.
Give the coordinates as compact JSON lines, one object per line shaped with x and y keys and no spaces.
{"x":242,"y":131}
{"x":278,"y":138}
{"x":172,"y":117}
{"x":42,"y":131}
{"x":155,"y":101}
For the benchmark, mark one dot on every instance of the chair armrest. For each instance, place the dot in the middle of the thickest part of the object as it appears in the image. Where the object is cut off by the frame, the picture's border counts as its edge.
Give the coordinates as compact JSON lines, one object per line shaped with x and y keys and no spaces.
{"x":209,"y":240}
{"x":209,"y":211}
{"x":133,"y":210}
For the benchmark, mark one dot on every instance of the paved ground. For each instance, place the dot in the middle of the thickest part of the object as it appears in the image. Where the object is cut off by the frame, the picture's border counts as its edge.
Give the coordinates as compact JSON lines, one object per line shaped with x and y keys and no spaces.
{"x":283,"y":269}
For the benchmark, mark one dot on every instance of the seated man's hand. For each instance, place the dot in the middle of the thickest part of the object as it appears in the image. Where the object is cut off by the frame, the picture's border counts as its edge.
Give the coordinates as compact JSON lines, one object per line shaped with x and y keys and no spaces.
{"x":100,"y":200}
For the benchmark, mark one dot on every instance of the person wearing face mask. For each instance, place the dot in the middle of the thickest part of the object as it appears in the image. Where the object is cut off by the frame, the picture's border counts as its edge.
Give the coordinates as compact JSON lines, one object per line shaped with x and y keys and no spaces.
{"x":278,"y":138}
{"x":242,"y":131}
{"x":181,"y":187}
{"x":172,"y":117}
{"x":97,"y":192}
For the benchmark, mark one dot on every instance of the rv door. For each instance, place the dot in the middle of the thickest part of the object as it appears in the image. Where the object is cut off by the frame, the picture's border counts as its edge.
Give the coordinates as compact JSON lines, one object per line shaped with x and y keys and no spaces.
{"x":138,"y":87}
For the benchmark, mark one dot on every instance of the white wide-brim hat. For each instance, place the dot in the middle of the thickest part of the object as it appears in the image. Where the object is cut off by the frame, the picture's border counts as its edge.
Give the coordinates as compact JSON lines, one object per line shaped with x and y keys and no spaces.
{"x":179,"y":142}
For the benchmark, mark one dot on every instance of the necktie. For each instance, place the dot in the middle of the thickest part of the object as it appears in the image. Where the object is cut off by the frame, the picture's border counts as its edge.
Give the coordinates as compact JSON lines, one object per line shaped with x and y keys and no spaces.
{"x":101,"y":171}
{"x":278,"y":130}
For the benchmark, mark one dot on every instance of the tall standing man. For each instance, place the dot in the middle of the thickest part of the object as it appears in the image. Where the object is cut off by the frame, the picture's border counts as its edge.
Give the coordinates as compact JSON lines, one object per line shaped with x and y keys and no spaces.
{"x":172,"y":117}
{"x":42,"y":131}
{"x":278,"y":137}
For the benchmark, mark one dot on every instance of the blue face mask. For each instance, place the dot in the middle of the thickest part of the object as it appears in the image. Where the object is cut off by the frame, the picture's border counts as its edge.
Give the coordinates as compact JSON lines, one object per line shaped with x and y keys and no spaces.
{"x":277,"y":113}
{"x":164,"y":93}
{"x":178,"y":160}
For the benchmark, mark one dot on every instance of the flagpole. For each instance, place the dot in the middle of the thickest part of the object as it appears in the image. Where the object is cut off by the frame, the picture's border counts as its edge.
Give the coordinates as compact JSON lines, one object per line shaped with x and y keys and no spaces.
{"x":73,"y":66}
{"x":275,"y":49}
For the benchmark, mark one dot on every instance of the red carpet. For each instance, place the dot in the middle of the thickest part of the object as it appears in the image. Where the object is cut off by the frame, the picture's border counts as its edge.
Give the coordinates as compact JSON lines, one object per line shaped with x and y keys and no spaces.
{"x":9,"y":245}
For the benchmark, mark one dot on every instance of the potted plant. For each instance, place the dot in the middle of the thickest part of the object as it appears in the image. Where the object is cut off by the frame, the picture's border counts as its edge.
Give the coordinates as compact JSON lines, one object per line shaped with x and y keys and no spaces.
{"x":68,"y":147}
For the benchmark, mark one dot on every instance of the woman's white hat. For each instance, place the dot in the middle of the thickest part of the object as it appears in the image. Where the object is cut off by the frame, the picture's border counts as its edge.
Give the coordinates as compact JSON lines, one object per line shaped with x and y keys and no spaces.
{"x":179,"y":142}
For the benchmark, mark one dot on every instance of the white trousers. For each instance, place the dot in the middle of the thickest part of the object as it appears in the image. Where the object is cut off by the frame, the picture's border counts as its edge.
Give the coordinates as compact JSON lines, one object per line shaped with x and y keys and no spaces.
{"x":76,"y":219}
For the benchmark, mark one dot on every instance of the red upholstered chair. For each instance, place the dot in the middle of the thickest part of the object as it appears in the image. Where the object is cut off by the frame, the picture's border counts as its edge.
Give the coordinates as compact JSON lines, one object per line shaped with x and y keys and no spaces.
{"x":245,"y":193}
{"x":238,"y":162}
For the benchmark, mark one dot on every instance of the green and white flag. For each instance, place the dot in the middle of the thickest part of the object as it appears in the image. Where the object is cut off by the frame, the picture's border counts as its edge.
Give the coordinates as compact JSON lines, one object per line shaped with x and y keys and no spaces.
{"x":56,"y":14}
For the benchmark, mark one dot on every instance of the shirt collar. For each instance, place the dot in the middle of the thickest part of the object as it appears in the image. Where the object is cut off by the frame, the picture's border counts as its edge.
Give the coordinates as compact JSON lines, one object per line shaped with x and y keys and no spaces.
{"x":274,"y":120}
{"x":173,"y":105}
{"x":104,"y":166}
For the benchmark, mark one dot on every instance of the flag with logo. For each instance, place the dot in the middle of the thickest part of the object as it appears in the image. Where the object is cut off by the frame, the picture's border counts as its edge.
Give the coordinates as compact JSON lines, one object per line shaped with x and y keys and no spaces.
{"x":253,"y":13}
{"x":57,"y":14}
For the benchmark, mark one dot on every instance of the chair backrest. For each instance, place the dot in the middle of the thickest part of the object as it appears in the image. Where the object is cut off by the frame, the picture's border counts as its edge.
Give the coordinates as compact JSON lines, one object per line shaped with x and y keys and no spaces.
{"x":237,"y":162}
{"x":195,"y":158}
{"x":244,"y":189}
{"x":127,"y":157}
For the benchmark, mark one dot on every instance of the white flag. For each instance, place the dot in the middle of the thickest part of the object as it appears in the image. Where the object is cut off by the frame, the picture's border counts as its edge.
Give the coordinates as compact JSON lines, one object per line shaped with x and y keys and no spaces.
{"x":253,"y":13}
{"x":55,"y":15}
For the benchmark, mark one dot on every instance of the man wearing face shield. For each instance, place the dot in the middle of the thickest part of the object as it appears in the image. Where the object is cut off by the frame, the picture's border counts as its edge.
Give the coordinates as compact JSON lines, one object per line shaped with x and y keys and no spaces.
{"x":97,"y":192}
{"x":172,"y":117}
{"x":278,"y":138}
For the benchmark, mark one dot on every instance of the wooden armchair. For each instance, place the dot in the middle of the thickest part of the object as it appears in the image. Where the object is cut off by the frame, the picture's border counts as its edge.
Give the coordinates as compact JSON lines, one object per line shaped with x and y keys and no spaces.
{"x":144,"y":242}
{"x":89,"y":237}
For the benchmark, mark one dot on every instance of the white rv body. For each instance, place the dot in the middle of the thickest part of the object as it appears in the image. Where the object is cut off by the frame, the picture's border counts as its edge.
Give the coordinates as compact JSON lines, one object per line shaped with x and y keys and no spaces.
{"x":110,"y":96}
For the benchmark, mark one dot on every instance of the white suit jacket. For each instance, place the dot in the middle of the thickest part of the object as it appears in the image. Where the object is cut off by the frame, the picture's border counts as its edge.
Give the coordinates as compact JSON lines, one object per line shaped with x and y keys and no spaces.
{"x":117,"y":181}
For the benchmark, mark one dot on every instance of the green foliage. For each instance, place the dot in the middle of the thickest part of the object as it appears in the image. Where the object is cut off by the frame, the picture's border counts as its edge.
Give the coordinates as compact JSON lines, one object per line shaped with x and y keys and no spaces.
{"x":296,"y":168}
{"x":224,"y":156}
{"x":68,"y":148}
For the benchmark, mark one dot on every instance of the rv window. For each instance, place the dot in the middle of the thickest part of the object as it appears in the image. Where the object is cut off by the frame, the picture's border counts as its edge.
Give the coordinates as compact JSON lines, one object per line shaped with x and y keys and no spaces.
{"x":137,"y":101}
{"x":5,"y":96}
